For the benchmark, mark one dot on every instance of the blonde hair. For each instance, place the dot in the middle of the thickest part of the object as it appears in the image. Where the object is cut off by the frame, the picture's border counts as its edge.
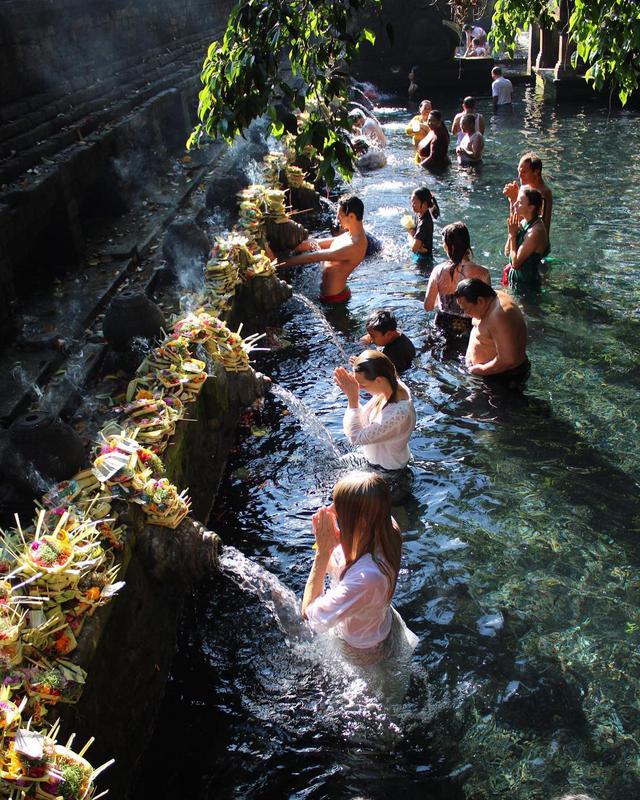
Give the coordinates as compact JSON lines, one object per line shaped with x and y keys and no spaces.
{"x":363,"y":509}
{"x":373,"y":364}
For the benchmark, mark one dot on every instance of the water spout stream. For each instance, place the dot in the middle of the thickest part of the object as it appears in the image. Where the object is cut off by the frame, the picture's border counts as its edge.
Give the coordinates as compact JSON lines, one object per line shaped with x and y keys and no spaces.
{"x":308,"y":420}
{"x":317,"y":313}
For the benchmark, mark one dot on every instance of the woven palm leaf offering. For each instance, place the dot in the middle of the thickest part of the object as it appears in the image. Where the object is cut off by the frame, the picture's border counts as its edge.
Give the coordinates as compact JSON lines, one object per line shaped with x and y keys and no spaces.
{"x":12,"y":623}
{"x":163,"y":504}
{"x":50,"y":683}
{"x":10,"y":713}
{"x":231,"y":350}
{"x":245,"y":255}
{"x":154,"y":418}
{"x":274,"y":165}
{"x":34,"y":765}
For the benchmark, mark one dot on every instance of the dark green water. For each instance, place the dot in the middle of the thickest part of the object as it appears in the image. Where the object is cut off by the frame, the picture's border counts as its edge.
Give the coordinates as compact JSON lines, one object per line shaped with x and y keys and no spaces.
{"x":522,"y":567}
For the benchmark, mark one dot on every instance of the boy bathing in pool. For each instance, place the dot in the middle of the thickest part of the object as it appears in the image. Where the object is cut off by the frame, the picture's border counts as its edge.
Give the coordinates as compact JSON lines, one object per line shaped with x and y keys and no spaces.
{"x":339,"y":255}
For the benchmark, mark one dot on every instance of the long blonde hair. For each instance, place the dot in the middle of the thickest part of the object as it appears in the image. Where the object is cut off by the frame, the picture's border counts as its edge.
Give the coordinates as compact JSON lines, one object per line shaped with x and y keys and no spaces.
{"x":363,"y":509}
{"x":374,"y":364}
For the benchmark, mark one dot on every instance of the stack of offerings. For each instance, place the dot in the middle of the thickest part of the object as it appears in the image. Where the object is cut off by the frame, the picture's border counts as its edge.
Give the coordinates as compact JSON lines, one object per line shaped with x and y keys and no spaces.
{"x":170,"y":370}
{"x":259,"y":206}
{"x":243,"y":255}
{"x":154,"y":418}
{"x":136,"y":474}
{"x":222,"y":344}
{"x":34,"y":765}
{"x":65,"y":574}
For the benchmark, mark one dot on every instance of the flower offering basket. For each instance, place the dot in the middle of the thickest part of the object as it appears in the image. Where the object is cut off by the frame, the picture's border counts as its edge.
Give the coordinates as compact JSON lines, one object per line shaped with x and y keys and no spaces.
{"x":12,"y":623}
{"x":163,"y":505}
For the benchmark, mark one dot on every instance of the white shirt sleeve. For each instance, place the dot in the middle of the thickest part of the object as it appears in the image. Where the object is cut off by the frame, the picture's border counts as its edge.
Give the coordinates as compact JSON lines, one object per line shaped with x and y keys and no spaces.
{"x":352,"y":595}
{"x":394,"y":421}
{"x":494,"y":89}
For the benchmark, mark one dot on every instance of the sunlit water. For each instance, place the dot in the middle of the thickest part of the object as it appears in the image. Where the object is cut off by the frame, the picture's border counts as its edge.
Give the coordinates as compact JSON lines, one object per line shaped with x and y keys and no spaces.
{"x":520,"y":571}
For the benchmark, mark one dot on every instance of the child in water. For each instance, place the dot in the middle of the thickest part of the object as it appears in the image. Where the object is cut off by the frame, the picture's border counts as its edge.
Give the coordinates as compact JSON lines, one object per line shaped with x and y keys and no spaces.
{"x":420,"y":228}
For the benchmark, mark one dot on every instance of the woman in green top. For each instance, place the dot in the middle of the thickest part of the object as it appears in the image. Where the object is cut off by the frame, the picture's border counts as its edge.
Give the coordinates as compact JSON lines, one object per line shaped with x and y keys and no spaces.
{"x":527,"y":242}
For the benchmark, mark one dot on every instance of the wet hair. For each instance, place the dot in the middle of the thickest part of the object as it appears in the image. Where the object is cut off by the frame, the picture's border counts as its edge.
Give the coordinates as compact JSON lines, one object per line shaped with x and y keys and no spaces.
{"x":534,"y":161}
{"x":496,"y":71}
{"x":437,"y":114}
{"x":533,"y":196}
{"x":356,"y":114}
{"x":472,"y":289}
{"x":468,"y":119}
{"x":373,"y":364}
{"x":467,"y":27}
{"x":457,"y":242}
{"x":382,"y":321}
{"x":422,"y":102}
{"x":363,"y":509}
{"x":350,"y":204}
{"x":424,"y":195}
{"x":469,"y":102}
{"x":477,"y":41}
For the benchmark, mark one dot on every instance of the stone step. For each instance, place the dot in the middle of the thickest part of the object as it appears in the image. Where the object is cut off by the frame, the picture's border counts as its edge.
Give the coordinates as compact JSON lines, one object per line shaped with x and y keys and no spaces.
{"x":28,"y":145}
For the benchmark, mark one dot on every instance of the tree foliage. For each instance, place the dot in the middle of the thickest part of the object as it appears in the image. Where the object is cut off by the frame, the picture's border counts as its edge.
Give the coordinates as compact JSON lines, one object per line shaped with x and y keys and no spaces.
{"x":287,"y":59}
{"x":606,"y":34}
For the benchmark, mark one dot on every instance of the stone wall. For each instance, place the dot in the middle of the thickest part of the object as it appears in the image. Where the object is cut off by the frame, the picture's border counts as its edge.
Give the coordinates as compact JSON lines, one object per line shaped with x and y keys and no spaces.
{"x":52,"y":46}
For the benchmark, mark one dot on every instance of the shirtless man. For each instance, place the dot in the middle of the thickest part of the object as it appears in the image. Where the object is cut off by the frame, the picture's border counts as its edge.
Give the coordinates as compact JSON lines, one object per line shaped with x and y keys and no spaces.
{"x":530,"y":174}
{"x":498,"y":341}
{"x":470,"y":147}
{"x":434,"y":148}
{"x":339,"y":255}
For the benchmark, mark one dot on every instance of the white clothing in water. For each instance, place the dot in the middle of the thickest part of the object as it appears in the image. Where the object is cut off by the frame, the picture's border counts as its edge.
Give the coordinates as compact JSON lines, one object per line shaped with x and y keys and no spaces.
{"x":466,"y":142}
{"x":356,"y":605}
{"x":502,"y":88}
{"x":372,"y":130}
{"x":461,"y":134}
{"x":382,"y":435}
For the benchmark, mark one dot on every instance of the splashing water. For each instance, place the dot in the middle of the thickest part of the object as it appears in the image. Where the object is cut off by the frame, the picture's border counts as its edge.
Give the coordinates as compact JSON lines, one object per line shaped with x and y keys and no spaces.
{"x":308,"y":420}
{"x":317,"y":313}
{"x":273,"y":594}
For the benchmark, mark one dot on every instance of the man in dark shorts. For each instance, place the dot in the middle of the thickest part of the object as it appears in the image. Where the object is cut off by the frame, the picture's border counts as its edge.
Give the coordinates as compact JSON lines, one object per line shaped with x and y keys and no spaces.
{"x":498,"y":342}
{"x":382,"y":330}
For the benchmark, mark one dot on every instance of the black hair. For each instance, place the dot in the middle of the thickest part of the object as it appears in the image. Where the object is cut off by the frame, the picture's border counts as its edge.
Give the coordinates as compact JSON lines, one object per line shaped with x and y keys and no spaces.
{"x":534,"y":197}
{"x":469,"y":102}
{"x":467,"y":27}
{"x":468,"y":119}
{"x":477,"y":40}
{"x":496,"y":71}
{"x":458,"y":242}
{"x":350,"y":204}
{"x":382,"y":320}
{"x":472,"y":289}
{"x":437,"y":114}
{"x":424,"y":195}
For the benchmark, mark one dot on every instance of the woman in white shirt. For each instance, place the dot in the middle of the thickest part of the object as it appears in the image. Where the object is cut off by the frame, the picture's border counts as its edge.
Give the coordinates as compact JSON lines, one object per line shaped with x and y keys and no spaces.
{"x":359,"y":548}
{"x":382,"y":426}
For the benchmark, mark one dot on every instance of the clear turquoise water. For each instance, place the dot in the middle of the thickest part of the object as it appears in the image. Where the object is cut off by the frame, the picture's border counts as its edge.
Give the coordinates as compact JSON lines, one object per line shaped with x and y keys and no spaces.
{"x":521,"y":568}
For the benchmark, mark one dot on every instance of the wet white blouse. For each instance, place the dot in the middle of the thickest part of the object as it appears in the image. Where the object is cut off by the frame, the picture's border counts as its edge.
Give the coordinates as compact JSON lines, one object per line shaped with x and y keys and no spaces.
{"x":356,"y":606}
{"x":383,"y":435}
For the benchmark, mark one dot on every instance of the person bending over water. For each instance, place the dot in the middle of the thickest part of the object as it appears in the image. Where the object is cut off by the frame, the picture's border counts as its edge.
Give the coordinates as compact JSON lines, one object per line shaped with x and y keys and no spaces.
{"x":498,"y":342}
{"x":382,"y":330}
{"x":339,"y":255}
{"x":530,"y":174}
{"x":434,"y":148}
{"x":383,"y":426}
{"x":359,"y":548}
{"x":420,"y":237}
{"x":527,"y":242}
{"x":445,"y":278}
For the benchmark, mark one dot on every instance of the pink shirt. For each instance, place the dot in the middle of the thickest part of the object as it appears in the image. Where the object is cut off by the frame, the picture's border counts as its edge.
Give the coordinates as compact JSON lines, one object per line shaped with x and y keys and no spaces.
{"x":356,"y":606}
